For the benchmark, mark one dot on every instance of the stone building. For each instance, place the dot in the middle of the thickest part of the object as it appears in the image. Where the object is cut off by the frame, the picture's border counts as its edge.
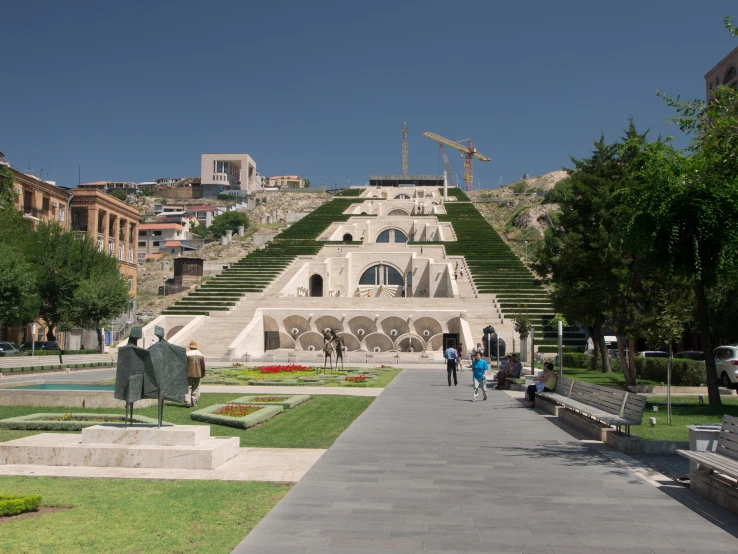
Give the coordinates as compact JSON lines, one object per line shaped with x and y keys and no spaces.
{"x":724,"y":73}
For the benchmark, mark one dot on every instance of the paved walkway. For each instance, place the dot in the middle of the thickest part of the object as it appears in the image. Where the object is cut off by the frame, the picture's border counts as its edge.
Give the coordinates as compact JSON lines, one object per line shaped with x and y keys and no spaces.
{"x":424,"y":469}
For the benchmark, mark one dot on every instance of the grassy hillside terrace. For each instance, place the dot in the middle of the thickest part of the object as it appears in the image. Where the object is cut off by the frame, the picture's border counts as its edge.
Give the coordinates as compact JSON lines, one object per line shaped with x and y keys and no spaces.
{"x":497,"y":270}
{"x":351,"y":192}
{"x":457,"y":193}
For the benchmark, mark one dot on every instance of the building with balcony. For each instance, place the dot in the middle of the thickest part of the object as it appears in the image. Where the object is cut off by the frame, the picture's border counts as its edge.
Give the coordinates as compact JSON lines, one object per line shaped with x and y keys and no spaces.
{"x":220,"y":172}
{"x":153,"y":238}
{"x":39,"y":200}
{"x":285,"y":181}
{"x":724,"y":73}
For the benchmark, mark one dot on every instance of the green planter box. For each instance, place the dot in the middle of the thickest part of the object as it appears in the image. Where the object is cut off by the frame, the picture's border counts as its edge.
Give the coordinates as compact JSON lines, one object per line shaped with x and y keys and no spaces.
{"x":287,"y":402}
{"x":261,"y":415}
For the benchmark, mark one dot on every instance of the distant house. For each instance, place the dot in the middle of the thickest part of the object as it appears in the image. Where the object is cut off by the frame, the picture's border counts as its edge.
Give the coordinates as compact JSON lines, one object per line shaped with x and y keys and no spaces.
{"x":204,"y":214}
{"x":285,"y":181}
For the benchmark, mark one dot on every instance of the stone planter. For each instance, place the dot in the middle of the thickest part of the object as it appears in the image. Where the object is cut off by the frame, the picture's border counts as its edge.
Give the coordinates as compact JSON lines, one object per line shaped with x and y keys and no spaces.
{"x":703,"y":438}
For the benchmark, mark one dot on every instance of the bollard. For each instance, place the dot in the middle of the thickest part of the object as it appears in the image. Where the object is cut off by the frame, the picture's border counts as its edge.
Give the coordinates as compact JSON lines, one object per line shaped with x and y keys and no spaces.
{"x":240,"y":230}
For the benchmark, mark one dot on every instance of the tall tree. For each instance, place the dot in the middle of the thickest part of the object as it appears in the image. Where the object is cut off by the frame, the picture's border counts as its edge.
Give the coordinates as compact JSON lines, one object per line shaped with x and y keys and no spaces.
{"x":683,"y":209}
{"x":98,"y":300}
{"x":226,"y":221}
{"x":19,"y":301}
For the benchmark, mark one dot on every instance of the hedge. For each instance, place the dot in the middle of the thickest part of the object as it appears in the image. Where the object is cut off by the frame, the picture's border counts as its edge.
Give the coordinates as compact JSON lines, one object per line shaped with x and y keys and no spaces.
{"x":287,"y":402}
{"x":37,"y":422}
{"x":12,"y":505}
{"x":684,"y":373}
{"x":206,"y":415}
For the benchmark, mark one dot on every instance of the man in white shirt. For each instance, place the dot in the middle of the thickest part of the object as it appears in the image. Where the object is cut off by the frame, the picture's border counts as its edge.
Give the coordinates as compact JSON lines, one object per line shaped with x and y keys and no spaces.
{"x":450,"y":355}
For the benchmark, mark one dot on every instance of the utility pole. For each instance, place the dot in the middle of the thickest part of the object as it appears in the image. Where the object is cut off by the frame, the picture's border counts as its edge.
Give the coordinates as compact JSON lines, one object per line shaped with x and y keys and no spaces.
{"x":79,"y":173}
{"x":404,"y":149}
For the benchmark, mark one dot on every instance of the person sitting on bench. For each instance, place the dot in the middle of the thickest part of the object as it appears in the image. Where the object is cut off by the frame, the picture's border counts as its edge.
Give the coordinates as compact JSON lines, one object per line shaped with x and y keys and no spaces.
{"x":546,"y":382}
{"x":511,"y":372}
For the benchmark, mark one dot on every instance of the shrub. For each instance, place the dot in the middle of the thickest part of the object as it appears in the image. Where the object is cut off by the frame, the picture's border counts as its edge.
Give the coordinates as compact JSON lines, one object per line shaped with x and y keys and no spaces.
{"x":11,"y":505}
{"x":684,"y":373}
{"x":63,"y":422}
{"x":519,"y":187}
{"x":226,"y":221}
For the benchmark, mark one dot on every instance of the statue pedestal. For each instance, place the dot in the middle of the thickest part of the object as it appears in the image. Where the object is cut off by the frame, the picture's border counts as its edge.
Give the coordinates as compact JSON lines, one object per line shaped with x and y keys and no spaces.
{"x":171,"y":447}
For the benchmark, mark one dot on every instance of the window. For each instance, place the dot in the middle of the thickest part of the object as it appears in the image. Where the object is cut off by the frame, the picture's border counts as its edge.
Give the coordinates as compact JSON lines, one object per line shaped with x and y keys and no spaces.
{"x":392,"y":235}
{"x":61,"y":213}
{"x":381,"y":274}
{"x":142,"y":233}
{"x":130,"y":283}
{"x":156,"y":233}
{"x":730,"y":75}
{"x":156,"y":243}
{"x":142,"y":244}
{"x":45,"y":204}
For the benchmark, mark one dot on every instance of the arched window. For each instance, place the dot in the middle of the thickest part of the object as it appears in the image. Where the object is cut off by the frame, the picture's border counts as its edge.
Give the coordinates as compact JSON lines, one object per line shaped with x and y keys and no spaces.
{"x":381,"y":274}
{"x":398,"y":211}
{"x":392,"y":235}
{"x":402,"y":196}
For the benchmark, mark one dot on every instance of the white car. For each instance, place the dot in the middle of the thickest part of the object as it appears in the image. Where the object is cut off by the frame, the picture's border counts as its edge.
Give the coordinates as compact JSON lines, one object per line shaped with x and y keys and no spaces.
{"x":726,"y":364}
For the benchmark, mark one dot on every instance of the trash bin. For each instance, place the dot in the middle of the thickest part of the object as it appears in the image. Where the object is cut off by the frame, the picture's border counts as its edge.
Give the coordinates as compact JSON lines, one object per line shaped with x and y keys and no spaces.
{"x":703,"y":437}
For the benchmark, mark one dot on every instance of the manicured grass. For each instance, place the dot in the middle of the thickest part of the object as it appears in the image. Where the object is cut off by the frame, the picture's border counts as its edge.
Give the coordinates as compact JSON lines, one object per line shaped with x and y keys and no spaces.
{"x":605,"y":379}
{"x":681,"y":416}
{"x":137,"y":515}
{"x":314,"y":424}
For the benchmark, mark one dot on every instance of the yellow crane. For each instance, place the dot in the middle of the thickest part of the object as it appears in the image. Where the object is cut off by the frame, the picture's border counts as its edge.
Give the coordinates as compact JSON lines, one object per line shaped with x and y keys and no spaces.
{"x":469,"y":154}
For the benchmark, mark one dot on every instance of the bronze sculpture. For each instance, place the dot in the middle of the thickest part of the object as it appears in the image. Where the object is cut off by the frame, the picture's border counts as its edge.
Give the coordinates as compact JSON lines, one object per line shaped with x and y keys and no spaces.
{"x":328,"y":350}
{"x":339,"y":347}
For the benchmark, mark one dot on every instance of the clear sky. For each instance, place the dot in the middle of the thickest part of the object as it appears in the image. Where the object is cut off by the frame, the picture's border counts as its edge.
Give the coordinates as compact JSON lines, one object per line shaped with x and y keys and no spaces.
{"x":137,"y":90}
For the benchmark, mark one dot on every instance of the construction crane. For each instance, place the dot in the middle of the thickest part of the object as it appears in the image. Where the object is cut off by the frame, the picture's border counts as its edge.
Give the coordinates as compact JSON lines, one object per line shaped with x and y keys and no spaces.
{"x":447,"y":165}
{"x":469,"y":154}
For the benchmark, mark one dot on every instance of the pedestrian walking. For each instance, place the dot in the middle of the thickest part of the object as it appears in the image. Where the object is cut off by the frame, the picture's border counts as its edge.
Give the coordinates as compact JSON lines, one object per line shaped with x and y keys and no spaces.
{"x":458,"y":357}
{"x":461,"y":272}
{"x":480,"y":369}
{"x":450,"y":356}
{"x":195,"y":372}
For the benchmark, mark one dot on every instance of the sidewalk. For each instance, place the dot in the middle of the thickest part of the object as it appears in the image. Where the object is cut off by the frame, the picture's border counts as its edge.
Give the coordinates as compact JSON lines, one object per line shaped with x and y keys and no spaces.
{"x":425,"y":469}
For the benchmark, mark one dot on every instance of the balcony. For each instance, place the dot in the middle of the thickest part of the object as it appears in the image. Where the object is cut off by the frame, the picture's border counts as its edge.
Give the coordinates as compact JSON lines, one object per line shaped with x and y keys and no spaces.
{"x":33,"y":213}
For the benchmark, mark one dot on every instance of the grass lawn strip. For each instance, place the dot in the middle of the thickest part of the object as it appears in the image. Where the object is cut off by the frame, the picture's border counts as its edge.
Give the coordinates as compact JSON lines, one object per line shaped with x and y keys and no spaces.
{"x":316,"y":424}
{"x":209,"y":415}
{"x":688,"y":411}
{"x":12,"y":505}
{"x":287,"y":402}
{"x":68,"y":421}
{"x":168,"y":516}
{"x":377,"y":377}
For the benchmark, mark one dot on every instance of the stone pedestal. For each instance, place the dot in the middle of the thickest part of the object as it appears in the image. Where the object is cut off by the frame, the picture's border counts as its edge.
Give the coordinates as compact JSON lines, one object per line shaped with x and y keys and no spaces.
{"x":170,"y":447}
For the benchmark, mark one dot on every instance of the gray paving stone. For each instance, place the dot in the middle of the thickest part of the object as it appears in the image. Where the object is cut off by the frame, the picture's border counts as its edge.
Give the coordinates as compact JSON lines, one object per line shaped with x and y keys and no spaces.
{"x":424,"y":470}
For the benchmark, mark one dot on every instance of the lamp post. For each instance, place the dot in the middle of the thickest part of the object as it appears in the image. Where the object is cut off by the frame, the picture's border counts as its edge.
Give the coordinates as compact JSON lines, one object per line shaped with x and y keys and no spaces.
{"x":526,"y":251}
{"x":34,"y":328}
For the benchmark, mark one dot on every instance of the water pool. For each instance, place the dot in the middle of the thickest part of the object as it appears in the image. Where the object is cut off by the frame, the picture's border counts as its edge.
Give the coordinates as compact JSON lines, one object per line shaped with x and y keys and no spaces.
{"x":66,"y":386}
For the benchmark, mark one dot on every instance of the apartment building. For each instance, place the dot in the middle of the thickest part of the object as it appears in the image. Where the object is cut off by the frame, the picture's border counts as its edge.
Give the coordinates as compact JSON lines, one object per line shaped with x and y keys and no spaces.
{"x":219,"y":172}
{"x":724,"y":73}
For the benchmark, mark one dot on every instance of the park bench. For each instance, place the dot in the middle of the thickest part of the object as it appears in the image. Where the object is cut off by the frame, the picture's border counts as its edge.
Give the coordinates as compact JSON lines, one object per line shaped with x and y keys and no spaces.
{"x":725,"y":458}
{"x":89,"y":360}
{"x":605,"y":404}
{"x":21,"y":363}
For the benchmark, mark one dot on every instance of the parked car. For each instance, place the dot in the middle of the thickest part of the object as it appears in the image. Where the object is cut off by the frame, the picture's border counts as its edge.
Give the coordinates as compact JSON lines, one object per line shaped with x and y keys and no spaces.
{"x":8,"y":349}
{"x":40,"y":345}
{"x":691,"y":355}
{"x":726,"y":365}
{"x":652,"y":354}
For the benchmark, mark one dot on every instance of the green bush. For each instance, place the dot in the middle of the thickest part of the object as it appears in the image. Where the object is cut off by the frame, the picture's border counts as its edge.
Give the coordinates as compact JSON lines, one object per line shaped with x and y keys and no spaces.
{"x":11,"y":505}
{"x":519,"y":187}
{"x":226,"y":221}
{"x":44,"y":422}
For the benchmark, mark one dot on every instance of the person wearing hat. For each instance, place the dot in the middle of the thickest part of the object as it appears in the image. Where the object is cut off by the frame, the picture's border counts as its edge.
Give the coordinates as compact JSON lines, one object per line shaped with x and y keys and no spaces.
{"x":195,"y":372}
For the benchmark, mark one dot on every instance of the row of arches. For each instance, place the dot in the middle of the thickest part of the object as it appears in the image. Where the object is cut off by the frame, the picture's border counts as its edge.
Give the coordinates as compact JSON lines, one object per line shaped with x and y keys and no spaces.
{"x":388,"y":236}
{"x":378,"y":274}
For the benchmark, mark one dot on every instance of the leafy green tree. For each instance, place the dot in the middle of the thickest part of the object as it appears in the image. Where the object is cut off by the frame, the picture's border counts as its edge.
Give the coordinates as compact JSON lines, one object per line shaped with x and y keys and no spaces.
{"x":226,"y":221}
{"x":683,"y":212}
{"x":201,"y":230}
{"x":19,"y":302}
{"x":307,"y":183}
{"x":519,"y":187}
{"x":119,"y":194}
{"x":98,"y":300}
{"x":6,"y":187}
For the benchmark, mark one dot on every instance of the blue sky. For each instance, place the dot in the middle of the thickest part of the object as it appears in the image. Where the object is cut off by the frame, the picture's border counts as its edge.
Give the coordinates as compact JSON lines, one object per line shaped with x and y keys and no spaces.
{"x":138,"y":90}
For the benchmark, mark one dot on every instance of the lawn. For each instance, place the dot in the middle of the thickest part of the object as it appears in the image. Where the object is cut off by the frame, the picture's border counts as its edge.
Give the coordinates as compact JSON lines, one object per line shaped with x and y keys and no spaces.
{"x":315,"y":424}
{"x":681,"y":416}
{"x":242,"y":376}
{"x":137,"y":515}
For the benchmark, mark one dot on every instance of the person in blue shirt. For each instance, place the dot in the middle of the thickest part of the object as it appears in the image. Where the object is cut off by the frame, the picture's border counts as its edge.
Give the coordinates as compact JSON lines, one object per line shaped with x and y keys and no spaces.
{"x":450,"y":355}
{"x":480,"y":369}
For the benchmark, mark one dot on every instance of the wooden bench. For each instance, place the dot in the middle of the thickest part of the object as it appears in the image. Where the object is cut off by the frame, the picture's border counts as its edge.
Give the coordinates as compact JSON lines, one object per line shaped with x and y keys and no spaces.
{"x":19,"y":363}
{"x":89,"y":360}
{"x":608,"y":405}
{"x":725,"y":458}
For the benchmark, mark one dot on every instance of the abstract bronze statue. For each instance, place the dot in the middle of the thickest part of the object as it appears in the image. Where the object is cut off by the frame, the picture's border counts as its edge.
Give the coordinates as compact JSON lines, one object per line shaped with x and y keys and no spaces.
{"x":339,"y":347}
{"x":328,"y":350}
{"x":159,"y":372}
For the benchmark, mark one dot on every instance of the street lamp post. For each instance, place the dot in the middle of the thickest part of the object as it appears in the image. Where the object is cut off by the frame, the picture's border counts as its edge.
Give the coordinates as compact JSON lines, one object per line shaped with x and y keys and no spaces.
{"x":34,"y":328}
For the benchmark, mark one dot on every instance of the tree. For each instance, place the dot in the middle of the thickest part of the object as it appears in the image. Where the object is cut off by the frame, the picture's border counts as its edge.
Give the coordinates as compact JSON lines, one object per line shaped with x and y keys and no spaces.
{"x":19,"y":302}
{"x":201,"y":230}
{"x":307,"y":183}
{"x":98,"y":300}
{"x":119,"y":194}
{"x":6,"y":187}
{"x":684,"y":208}
{"x":226,"y":221}
{"x":63,"y":262}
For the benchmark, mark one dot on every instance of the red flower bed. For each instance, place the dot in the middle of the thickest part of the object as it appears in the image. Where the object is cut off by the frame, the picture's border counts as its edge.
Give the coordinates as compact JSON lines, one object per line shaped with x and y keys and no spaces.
{"x":357,"y":379}
{"x":237,"y":410}
{"x":291,"y":368}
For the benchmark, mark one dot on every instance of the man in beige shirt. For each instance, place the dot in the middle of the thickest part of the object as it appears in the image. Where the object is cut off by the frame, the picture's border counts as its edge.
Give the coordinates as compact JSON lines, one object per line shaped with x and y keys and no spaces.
{"x":195,"y":372}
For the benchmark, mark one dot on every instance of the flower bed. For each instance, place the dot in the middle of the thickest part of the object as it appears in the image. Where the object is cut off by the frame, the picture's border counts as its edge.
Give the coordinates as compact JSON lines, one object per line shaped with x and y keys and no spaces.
{"x":236,"y":410}
{"x":357,"y":379}
{"x":274,"y":382}
{"x":290,"y":368}
{"x":67,"y":422}
{"x":286,"y":401}
{"x":12,"y":505}
{"x":252,"y":418}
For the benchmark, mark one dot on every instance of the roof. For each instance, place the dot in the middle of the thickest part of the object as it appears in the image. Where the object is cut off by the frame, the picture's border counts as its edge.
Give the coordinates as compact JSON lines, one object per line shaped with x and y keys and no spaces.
{"x":156,"y":226}
{"x":98,"y":183}
{"x":202,"y":208}
{"x":154,"y":256}
{"x":173,"y":243}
